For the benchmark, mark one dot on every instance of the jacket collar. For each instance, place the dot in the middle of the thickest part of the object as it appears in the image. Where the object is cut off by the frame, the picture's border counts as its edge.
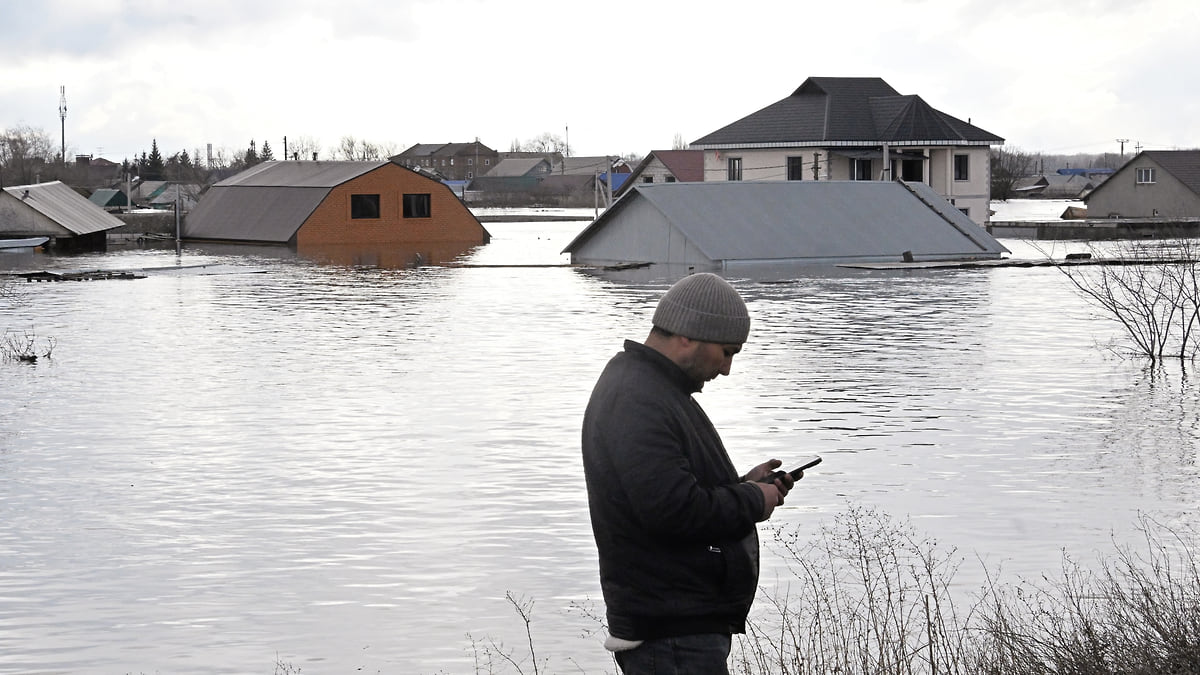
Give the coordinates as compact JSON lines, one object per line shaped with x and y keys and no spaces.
{"x":666,"y":366}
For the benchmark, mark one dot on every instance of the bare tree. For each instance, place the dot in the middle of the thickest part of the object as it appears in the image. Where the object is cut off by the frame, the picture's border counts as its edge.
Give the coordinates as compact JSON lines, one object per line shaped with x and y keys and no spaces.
{"x":678,"y":143}
{"x":362,"y":150}
{"x":1009,"y":165}
{"x":303,"y":147}
{"x":545,"y":143}
{"x":24,"y":151}
{"x":1153,"y":291}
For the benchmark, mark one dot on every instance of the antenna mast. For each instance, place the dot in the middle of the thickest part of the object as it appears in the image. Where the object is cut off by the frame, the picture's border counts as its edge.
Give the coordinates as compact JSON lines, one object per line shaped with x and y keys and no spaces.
{"x":62,"y":114}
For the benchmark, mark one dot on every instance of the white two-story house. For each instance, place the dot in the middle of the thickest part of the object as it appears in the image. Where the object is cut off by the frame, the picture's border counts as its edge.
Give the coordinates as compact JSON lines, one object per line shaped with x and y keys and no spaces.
{"x":856,"y":128}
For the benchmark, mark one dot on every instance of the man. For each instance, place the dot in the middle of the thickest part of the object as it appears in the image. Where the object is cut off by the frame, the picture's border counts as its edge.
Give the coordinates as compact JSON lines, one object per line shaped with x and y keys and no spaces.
{"x":674,"y":524}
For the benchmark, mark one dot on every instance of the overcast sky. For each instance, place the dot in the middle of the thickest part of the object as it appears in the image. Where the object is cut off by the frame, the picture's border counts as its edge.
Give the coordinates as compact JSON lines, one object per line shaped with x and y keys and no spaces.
{"x":1052,"y":76}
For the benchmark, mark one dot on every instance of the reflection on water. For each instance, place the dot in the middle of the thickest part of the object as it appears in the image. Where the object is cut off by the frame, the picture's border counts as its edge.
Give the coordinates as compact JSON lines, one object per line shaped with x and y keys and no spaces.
{"x":347,"y":465}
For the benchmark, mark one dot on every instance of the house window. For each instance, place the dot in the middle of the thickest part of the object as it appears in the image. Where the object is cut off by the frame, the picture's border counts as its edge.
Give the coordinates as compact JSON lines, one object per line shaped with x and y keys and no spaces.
{"x":647,"y":179}
{"x":1145,"y":176}
{"x":795,"y":168}
{"x":735,"y":168}
{"x":912,"y":170}
{"x":470,"y":162}
{"x":966,"y":211}
{"x":416,"y":206}
{"x":364,"y":206}
{"x":962,"y":167}
{"x":860,"y":169}
{"x":470,"y":174}
{"x":670,"y":179}
{"x":487,"y":162}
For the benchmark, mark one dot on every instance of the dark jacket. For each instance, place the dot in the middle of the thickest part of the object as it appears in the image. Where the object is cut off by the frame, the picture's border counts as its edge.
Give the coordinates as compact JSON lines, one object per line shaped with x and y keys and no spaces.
{"x":674,"y":527}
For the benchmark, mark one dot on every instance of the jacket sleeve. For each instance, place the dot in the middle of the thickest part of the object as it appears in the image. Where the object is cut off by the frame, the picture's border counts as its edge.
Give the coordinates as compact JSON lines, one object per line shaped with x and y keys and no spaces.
{"x":662,"y":488}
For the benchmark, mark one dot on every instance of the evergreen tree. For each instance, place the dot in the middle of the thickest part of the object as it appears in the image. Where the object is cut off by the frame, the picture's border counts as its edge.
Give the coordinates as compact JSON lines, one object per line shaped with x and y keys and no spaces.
{"x":266,"y":155}
{"x":154,"y":165}
{"x":251,"y":157}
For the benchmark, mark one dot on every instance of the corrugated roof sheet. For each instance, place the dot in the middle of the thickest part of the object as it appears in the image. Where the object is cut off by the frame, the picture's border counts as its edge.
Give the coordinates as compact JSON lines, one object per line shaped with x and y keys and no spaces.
{"x":65,"y":206}
{"x":797,"y":220}
{"x":267,"y":214}
{"x":300,"y":174}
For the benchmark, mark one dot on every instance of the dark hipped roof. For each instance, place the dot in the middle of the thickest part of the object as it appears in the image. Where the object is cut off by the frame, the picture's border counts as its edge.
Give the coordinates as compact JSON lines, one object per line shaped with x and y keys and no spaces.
{"x":65,"y":207}
{"x":743,"y":221}
{"x":270,"y":201}
{"x":833,"y":110}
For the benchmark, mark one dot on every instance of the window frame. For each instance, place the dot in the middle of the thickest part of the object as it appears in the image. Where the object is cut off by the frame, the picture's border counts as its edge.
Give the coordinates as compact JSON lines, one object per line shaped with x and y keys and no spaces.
{"x":962,"y":173}
{"x":734,"y":168}
{"x":857,"y":166}
{"x":417,"y":205}
{"x":365,"y":206}
{"x":1144,"y":175}
{"x":794,"y":167}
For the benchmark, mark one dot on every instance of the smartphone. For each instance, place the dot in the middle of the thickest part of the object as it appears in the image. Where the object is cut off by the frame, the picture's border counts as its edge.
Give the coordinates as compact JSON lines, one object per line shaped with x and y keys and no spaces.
{"x":794,"y":472}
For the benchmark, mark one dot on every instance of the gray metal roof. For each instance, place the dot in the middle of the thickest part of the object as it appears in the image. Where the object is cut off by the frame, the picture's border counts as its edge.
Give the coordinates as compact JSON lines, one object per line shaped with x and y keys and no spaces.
{"x":267,"y":214}
{"x":300,"y":174}
{"x":65,"y":207}
{"x":516,"y":167}
{"x":799,"y":220}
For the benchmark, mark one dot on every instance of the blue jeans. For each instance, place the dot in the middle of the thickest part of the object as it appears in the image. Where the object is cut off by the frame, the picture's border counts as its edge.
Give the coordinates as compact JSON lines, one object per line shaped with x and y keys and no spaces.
{"x":705,"y":654}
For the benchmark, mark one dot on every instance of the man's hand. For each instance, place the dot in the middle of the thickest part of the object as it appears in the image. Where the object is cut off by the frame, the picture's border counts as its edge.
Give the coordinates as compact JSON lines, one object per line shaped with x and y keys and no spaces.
{"x":759,"y":473}
{"x":773,"y":492}
{"x":771,"y":498}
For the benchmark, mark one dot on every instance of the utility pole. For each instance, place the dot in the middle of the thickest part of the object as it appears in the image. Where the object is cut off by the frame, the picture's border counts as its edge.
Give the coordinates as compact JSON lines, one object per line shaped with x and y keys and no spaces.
{"x":62,"y":114}
{"x":1122,"y":141}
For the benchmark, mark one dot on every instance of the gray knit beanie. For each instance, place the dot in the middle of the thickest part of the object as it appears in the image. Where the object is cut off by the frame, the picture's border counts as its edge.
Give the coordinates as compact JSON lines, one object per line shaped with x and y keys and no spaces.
{"x":704,"y":307}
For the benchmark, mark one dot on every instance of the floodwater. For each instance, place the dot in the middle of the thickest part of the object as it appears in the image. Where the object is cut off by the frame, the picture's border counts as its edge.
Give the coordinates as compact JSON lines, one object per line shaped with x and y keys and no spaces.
{"x":345,"y":468}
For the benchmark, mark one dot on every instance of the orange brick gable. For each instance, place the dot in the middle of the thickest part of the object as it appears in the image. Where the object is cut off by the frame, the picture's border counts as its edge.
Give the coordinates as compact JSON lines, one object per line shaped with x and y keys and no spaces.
{"x":449,"y":221}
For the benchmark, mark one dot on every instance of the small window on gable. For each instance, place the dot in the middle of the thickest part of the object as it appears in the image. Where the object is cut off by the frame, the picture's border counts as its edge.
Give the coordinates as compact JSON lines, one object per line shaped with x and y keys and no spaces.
{"x":647,"y":179}
{"x":670,"y":179}
{"x":1145,"y":176}
{"x":416,"y":206}
{"x":364,"y":206}
{"x":962,"y":167}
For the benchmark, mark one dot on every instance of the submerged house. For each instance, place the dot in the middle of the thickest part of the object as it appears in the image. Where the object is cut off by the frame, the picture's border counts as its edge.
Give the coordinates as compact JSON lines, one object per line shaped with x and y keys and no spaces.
{"x":309,"y":204}
{"x":1154,"y":184}
{"x":722,"y":224}
{"x":856,"y":128}
{"x":56,"y":211}
{"x":667,"y":166}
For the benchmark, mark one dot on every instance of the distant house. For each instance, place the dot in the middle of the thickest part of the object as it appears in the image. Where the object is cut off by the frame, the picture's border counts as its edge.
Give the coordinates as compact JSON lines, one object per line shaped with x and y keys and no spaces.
{"x":451,"y":161}
{"x":667,"y":166}
{"x":521,"y":167}
{"x":110,"y":199}
{"x":1055,"y":186}
{"x":590,"y":166}
{"x":1154,"y":184}
{"x":332,"y":203}
{"x":56,"y":211}
{"x":855,"y":128}
{"x":718,"y":224}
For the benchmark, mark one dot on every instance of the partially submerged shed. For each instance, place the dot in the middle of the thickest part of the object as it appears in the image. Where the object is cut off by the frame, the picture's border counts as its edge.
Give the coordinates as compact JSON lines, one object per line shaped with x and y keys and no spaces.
{"x":719,"y":224}
{"x":333,"y":204}
{"x":55,"y":210}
